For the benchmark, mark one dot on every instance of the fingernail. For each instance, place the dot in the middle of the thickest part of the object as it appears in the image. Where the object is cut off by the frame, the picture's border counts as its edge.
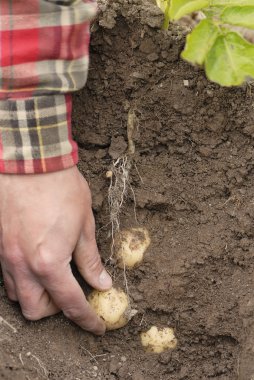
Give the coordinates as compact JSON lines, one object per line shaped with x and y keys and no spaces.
{"x":105,"y":280}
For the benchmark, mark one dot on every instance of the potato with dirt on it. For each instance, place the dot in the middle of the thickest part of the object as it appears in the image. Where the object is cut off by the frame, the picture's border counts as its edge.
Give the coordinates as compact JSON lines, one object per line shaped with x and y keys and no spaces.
{"x":130,"y":246}
{"x":112,"y":306}
{"x":158,"y":340}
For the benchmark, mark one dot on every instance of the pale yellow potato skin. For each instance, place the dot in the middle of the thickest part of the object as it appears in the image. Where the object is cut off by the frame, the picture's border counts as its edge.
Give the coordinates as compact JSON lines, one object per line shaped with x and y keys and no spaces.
{"x":130,"y":246}
{"x":158,"y":340}
{"x":112,"y":306}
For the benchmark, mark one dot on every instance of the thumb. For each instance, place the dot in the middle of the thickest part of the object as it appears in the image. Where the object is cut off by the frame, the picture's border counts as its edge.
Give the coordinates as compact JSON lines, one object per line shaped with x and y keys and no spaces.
{"x":88,"y":261}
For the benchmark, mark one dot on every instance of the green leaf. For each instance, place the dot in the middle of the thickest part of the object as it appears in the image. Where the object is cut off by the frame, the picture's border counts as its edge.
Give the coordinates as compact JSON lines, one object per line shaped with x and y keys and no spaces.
{"x":180,"y":8}
{"x":229,"y":3}
{"x":241,"y":16}
{"x":200,"y":41}
{"x":230,"y":61}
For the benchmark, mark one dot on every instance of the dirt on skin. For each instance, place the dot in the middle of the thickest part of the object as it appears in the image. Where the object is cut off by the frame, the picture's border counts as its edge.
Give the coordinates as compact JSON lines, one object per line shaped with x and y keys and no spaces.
{"x":193,"y":184}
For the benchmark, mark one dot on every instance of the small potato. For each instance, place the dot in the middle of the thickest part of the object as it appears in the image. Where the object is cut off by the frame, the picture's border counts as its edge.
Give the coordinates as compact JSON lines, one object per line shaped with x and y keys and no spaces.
{"x":130,"y":246}
{"x":158,"y":340}
{"x":109,"y":174}
{"x":112,"y":306}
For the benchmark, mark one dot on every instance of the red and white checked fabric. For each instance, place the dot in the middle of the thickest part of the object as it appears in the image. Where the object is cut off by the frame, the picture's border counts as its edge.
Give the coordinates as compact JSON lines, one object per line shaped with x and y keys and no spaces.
{"x":44,"y":54}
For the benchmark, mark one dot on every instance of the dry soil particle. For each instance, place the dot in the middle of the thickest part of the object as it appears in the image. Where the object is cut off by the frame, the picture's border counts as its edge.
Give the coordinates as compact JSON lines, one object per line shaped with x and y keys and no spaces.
{"x":195,"y":156}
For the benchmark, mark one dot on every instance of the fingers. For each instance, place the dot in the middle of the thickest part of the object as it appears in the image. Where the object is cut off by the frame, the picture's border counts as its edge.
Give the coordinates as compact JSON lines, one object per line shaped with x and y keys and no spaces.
{"x":88,"y":260}
{"x":69,"y":297}
{"x":34,"y":301}
{"x":89,"y":264}
{"x":41,"y":306}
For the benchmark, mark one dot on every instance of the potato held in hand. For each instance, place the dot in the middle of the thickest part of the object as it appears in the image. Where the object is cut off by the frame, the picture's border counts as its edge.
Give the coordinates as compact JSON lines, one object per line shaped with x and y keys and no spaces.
{"x":112,"y":306}
{"x":130,"y":246}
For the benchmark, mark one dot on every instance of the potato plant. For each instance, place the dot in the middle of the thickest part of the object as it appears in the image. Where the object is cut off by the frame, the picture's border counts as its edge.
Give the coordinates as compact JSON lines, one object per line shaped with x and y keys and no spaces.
{"x":216,"y":42}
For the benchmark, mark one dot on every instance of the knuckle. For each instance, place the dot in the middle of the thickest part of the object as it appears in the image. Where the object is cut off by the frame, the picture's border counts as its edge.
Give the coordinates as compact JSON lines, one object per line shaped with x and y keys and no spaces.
{"x":43,"y":265}
{"x":73,"y":314}
{"x":13,"y":254}
{"x":94,"y":262}
{"x":26,"y":299}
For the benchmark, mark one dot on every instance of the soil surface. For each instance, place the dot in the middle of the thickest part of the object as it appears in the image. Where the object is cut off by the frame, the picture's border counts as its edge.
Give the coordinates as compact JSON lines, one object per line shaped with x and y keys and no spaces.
{"x":192,"y":177}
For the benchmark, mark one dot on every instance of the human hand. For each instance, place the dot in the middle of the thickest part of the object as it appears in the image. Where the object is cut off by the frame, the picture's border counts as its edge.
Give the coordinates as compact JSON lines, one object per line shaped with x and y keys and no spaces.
{"x":45,"y":220}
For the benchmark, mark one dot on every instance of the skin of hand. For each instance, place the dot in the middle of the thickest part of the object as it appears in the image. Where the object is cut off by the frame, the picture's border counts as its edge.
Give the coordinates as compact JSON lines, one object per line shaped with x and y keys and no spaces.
{"x":45,"y":221}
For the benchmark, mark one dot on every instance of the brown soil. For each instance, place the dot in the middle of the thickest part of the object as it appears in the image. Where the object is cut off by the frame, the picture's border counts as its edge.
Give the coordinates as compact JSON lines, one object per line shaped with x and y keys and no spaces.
{"x":194,"y":153}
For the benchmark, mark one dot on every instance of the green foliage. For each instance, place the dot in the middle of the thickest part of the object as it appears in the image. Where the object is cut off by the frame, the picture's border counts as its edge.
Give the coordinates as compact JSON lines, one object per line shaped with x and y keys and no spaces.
{"x":214,"y":43}
{"x":180,"y":8}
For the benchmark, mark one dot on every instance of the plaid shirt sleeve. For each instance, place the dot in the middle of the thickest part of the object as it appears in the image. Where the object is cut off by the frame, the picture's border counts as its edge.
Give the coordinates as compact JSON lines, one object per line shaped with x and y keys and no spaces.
{"x":43,"y":58}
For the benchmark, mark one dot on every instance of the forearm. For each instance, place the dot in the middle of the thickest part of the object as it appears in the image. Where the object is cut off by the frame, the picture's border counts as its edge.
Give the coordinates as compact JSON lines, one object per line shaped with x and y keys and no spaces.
{"x":44,"y":57}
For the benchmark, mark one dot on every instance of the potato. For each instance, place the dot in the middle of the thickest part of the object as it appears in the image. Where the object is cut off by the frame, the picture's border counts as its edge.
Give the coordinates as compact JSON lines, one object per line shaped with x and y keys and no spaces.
{"x":158,"y":340}
{"x":130,"y":246}
{"x":112,"y":306}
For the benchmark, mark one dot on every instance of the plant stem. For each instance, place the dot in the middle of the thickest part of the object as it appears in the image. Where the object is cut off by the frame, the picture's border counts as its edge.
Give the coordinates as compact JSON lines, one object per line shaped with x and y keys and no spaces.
{"x":166,"y":17}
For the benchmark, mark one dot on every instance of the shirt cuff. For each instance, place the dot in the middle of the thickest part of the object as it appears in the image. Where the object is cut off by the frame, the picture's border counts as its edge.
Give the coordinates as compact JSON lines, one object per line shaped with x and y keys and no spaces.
{"x":35,"y":135}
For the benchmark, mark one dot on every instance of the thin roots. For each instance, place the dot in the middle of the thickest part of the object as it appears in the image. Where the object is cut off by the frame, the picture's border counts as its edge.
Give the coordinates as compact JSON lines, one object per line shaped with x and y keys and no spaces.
{"x":42,"y":369}
{"x":126,"y":281}
{"x":119,"y":180}
{"x":120,"y":186}
{"x":118,"y":191}
{"x":6,"y":323}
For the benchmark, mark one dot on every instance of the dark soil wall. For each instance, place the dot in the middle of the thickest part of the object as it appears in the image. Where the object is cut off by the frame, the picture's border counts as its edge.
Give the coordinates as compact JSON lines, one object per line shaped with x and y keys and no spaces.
{"x":194,"y":154}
